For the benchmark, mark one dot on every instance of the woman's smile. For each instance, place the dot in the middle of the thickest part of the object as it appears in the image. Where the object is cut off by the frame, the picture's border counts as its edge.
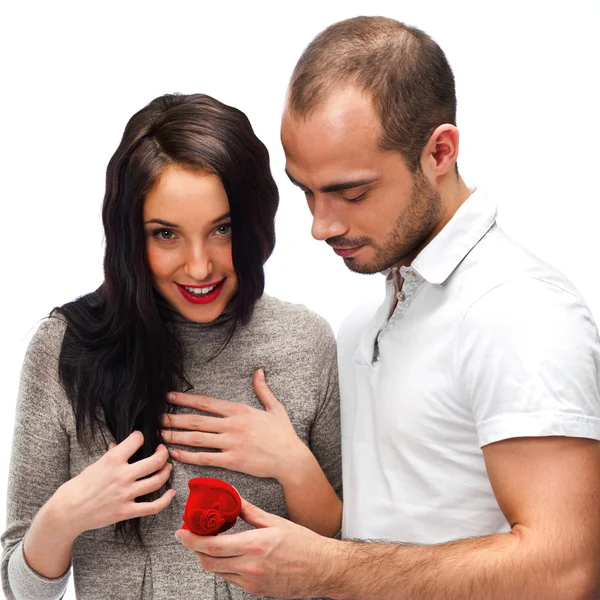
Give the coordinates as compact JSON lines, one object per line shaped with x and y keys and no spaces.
{"x":201,"y":294}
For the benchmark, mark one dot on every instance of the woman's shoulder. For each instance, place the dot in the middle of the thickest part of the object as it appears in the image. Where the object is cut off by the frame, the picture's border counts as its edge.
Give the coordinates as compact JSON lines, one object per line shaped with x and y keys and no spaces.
{"x":290,"y":318}
{"x":47,"y":339}
{"x":39,"y":379}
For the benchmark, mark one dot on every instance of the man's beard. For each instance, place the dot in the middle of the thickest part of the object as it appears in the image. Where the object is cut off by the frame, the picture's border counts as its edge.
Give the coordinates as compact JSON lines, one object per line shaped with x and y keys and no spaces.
{"x":409,"y":233}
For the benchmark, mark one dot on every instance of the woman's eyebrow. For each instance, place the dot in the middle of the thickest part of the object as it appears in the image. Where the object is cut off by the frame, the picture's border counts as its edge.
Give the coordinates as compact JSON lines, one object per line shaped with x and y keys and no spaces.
{"x":221,"y":218}
{"x":164,"y":223}
{"x":161,"y":222}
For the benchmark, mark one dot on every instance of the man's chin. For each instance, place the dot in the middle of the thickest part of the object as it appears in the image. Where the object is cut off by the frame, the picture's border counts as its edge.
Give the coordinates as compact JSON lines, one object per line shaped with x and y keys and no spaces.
{"x":362,"y":268}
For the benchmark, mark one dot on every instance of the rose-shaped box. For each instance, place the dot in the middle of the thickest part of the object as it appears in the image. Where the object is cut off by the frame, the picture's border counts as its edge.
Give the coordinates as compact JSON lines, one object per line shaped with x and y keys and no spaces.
{"x":212,"y":507}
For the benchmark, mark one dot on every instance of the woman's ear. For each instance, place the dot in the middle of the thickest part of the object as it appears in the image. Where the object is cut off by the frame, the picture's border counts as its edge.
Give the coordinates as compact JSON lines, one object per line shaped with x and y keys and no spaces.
{"x":439,"y":156}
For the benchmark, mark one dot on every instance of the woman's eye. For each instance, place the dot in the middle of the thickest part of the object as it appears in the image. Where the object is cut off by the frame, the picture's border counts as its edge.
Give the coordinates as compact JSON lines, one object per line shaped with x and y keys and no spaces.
{"x":164,"y":234}
{"x":224,"y":229}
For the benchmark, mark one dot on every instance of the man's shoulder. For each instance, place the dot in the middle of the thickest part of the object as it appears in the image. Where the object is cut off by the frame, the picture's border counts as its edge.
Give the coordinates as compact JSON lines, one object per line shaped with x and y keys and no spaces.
{"x":499,"y":267}
{"x":516,"y":297}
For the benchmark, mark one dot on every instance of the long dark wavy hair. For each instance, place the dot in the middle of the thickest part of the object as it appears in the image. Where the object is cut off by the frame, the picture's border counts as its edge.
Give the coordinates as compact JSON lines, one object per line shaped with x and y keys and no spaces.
{"x":119,"y":356}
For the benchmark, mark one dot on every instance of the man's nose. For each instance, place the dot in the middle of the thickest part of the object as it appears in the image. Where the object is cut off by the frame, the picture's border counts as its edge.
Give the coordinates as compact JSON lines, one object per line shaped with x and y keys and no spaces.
{"x":326,"y":223}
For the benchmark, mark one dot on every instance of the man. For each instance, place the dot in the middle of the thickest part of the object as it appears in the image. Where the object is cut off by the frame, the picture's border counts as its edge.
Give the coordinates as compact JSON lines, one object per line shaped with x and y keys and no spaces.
{"x":470,"y":402}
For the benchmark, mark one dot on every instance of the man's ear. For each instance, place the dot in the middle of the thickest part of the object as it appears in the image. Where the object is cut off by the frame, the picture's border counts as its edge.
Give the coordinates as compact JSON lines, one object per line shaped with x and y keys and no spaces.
{"x":439,"y":156}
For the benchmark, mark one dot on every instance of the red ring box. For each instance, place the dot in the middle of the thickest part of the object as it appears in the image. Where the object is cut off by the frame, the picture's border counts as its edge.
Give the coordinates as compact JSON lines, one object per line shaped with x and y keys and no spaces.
{"x":212,"y":507}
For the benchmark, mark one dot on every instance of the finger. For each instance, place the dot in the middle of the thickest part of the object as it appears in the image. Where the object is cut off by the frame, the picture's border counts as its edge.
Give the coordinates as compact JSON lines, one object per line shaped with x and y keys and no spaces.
{"x":145,"y":509}
{"x":202,"y":459}
{"x":234,"y":565}
{"x":112,"y":445}
{"x":263,"y":391}
{"x":193,"y":422}
{"x":151,"y":464}
{"x":151,"y":484}
{"x":221,"y":546}
{"x":129,"y":446}
{"x":259,"y":518}
{"x":233,"y":578}
{"x":205,"y":403}
{"x":197,"y":439}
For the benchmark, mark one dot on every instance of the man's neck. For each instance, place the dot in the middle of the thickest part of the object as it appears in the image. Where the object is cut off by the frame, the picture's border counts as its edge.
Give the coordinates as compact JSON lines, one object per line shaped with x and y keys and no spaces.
{"x":453,"y":194}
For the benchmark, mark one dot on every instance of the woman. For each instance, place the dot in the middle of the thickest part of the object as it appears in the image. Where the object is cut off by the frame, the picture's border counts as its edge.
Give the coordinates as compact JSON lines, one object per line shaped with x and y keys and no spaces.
{"x":189,"y":222}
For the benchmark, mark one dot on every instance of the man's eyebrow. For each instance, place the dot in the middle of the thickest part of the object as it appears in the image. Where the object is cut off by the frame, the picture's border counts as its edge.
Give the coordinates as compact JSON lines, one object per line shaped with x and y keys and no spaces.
{"x":336,"y":186}
{"x":346,"y":185}
{"x":294,"y":181}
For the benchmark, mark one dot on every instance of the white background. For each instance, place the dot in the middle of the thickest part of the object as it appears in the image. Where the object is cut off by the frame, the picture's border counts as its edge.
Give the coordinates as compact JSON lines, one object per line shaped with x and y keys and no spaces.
{"x":73,"y":73}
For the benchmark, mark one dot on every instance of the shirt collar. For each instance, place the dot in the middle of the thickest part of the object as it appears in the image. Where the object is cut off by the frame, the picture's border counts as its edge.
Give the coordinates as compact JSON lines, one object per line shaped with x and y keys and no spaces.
{"x":473,"y":219}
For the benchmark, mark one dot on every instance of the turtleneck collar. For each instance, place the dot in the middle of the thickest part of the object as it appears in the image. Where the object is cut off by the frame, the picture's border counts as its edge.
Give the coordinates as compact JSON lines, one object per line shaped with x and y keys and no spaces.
{"x":171,"y":315}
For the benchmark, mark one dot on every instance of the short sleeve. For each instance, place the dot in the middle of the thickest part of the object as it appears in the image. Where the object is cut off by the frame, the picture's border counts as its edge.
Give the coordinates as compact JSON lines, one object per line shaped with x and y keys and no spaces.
{"x":325,"y":434}
{"x":528,"y":362}
{"x":39,"y":462}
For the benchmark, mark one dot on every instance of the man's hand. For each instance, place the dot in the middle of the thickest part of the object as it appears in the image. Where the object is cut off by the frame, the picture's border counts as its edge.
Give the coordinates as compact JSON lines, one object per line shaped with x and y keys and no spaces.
{"x":278,"y":559}
{"x":262,"y":443}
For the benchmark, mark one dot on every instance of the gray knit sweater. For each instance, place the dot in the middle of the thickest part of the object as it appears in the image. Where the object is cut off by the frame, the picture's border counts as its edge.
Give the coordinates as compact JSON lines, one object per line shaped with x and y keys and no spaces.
{"x":295,"y":347}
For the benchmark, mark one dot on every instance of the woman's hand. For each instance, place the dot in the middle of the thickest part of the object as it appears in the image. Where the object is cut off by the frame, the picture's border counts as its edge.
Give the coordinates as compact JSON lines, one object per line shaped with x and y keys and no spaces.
{"x":104,"y":492}
{"x":100,"y":495}
{"x":259,"y":443}
{"x":252,"y":441}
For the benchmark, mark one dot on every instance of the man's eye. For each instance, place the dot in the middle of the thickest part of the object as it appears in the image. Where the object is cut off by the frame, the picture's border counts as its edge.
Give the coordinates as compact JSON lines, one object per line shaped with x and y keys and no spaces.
{"x":224,"y":229}
{"x":357,"y":198}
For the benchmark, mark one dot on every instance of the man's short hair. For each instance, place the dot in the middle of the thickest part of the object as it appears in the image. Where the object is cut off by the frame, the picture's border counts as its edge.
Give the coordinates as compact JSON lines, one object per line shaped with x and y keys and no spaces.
{"x":401,"y":67}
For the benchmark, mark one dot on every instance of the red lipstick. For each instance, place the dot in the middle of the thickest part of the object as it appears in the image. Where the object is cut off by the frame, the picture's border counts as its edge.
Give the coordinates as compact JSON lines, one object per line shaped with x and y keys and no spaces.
{"x":204,"y":299}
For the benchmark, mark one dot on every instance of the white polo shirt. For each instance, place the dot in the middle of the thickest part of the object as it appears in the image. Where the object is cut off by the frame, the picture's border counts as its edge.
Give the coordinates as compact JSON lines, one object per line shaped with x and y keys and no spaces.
{"x":487,"y":342}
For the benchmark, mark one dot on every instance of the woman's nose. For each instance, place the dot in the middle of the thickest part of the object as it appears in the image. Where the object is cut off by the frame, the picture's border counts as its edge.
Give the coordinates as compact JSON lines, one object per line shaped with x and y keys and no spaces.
{"x":198,"y":264}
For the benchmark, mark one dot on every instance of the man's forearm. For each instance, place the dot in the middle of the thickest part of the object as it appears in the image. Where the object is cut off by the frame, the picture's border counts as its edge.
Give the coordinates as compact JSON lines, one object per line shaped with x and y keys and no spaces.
{"x":498,"y":567}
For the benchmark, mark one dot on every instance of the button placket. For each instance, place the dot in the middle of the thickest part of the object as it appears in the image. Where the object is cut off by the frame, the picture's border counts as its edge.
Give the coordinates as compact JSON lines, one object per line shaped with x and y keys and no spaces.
{"x":404,"y":297}
{"x":408,"y":287}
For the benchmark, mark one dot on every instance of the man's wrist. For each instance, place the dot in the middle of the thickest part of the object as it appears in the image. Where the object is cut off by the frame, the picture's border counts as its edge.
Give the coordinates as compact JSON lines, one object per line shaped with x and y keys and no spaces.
{"x":336,"y":565}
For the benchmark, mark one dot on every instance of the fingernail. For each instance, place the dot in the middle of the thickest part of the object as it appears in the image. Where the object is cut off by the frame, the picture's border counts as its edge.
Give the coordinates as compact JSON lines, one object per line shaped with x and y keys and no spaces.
{"x":178,"y":536}
{"x":261,"y":373}
{"x":174,"y":453}
{"x":171,"y":396}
